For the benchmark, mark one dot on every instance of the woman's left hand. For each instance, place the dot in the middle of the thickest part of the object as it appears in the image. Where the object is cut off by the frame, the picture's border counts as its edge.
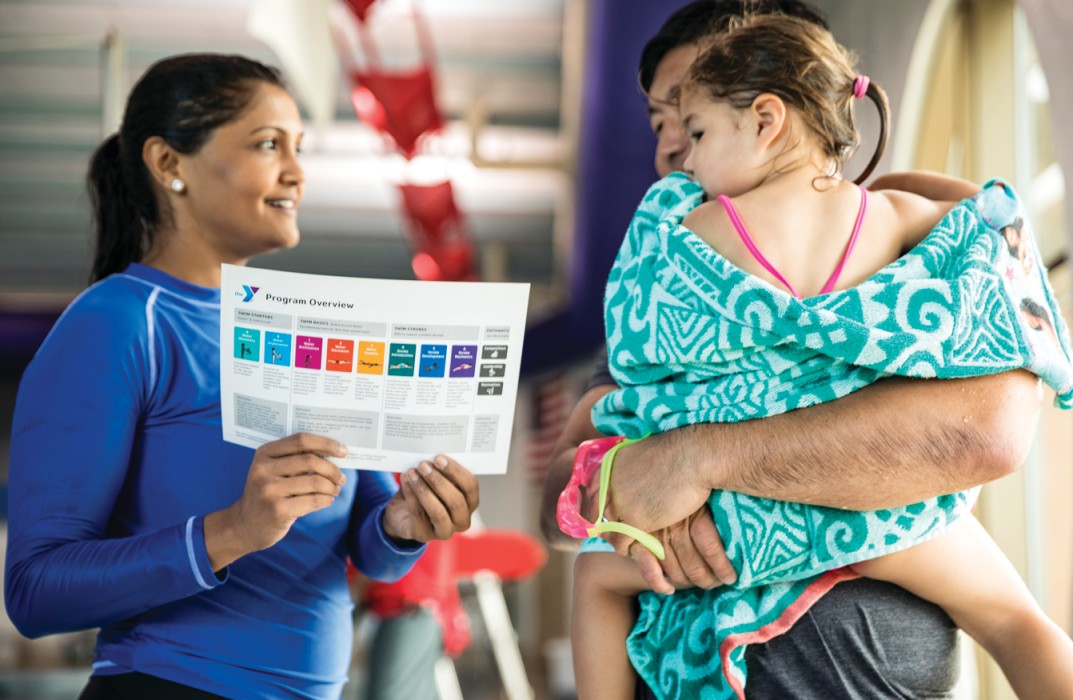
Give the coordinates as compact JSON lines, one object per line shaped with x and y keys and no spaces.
{"x":436,"y":500}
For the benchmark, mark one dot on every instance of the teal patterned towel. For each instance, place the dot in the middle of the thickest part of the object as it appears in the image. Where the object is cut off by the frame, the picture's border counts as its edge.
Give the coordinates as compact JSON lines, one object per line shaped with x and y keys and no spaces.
{"x":692,"y":338}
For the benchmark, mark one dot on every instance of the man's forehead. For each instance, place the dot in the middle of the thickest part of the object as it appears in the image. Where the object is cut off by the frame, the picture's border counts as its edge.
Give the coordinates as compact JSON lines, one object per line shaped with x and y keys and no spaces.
{"x":670,"y":71}
{"x":668,"y":101}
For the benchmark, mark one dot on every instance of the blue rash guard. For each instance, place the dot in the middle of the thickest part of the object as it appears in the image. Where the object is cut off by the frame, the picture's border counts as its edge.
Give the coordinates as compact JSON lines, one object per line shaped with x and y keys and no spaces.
{"x":117,"y":455}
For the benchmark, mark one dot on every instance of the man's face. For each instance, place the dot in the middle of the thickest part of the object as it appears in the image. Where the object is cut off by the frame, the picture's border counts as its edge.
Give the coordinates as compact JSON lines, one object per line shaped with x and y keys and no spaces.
{"x":672,"y":145}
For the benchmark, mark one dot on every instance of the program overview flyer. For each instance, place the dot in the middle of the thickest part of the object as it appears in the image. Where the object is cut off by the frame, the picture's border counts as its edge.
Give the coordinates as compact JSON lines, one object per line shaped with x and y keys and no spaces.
{"x":397,"y":370}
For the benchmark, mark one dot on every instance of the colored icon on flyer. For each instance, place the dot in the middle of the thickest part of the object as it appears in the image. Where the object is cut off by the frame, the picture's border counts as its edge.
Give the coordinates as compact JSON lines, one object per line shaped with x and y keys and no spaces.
{"x":490,"y":388}
{"x":463,"y":361}
{"x":307,"y":351}
{"x":277,"y":348}
{"x":370,"y":357}
{"x":433,"y":361}
{"x":494,"y":352}
{"x":339,"y":356}
{"x":247,"y":344}
{"x":402,"y":360}
{"x":493,"y":369}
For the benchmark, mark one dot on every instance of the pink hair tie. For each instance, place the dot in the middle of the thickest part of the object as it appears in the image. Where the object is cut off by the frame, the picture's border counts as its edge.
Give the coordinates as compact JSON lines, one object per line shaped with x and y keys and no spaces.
{"x":860,"y":86}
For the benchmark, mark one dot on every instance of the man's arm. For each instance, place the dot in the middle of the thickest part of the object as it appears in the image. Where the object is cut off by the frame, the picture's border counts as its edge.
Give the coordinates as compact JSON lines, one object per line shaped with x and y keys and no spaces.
{"x":934,"y":186}
{"x":893,"y":443}
{"x":941,"y":193}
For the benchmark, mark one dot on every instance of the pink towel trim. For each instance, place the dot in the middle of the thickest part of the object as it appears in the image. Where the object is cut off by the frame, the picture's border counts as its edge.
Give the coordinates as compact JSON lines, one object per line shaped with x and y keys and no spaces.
{"x":816,"y":590}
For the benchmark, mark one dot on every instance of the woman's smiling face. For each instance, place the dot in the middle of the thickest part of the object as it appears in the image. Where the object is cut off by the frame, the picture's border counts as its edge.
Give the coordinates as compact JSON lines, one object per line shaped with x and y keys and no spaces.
{"x":244,"y":184}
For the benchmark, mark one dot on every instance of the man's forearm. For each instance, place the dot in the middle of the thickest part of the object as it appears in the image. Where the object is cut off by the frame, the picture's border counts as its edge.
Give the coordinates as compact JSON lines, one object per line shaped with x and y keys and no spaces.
{"x":578,"y":429}
{"x":896,"y":442}
{"x":934,"y":186}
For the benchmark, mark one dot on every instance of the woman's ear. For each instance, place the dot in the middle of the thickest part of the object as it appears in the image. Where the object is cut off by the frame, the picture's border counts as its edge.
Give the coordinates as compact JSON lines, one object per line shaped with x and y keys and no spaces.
{"x":769,"y":116}
{"x":161,"y":160}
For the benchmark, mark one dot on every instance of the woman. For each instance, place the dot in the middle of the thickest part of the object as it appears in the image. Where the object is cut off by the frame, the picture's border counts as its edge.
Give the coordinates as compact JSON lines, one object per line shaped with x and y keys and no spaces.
{"x":210,"y":570}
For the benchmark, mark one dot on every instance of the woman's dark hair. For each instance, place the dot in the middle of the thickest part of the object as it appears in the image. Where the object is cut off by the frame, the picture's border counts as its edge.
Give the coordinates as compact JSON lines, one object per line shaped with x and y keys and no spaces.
{"x":802,"y":64}
{"x":182,"y":100}
{"x":699,"y":19}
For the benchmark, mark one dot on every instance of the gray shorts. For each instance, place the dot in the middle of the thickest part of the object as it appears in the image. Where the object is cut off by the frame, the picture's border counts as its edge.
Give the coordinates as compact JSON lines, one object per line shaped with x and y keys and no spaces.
{"x":864,"y":640}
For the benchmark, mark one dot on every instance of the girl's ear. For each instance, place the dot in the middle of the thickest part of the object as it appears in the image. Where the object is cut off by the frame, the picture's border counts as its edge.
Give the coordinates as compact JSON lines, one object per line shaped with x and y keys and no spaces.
{"x":161,"y":161}
{"x":769,"y":116}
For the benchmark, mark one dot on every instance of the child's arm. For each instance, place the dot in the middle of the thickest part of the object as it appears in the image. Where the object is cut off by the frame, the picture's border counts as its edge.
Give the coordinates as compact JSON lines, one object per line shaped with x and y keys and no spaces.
{"x":601,"y":619}
{"x":964,"y":572}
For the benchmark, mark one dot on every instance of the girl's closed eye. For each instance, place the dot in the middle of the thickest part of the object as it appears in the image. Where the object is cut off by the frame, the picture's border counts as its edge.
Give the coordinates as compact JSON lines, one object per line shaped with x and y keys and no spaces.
{"x":695,"y":135}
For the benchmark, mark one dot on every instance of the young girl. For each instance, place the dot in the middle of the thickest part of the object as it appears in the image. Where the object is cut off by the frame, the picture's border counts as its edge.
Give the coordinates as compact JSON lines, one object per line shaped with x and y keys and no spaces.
{"x":768,"y":108}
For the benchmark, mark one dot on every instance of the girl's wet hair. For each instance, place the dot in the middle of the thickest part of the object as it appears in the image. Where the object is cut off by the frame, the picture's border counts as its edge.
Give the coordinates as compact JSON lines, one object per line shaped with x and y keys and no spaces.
{"x":182,"y":100}
{"x":803,"y":65}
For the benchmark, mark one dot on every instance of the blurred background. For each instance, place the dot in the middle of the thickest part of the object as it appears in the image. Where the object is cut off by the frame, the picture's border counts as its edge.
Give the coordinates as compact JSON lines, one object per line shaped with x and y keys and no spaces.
{"x":528,"y":152}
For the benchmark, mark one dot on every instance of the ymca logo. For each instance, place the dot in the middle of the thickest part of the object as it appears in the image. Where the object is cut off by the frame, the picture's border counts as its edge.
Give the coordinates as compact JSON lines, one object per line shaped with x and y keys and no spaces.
{"x":247,"y":293}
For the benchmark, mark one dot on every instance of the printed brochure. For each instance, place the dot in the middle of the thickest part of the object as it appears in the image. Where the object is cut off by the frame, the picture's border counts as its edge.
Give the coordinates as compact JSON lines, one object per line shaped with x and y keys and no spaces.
{"x":397,"y":370}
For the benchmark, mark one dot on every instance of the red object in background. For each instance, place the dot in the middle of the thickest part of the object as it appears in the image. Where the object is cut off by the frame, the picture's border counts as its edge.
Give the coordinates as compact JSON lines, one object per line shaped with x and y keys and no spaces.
{"x":432,"y":209}
{"x":360,"y":8}
{"x":443,"y":248}
{"x":430,"y":584}
{"x":400,"y":104}
{"x":433,"y":582}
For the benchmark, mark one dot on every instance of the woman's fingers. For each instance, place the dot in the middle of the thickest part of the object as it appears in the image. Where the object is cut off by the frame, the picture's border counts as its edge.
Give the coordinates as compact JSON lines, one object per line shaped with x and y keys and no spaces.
{"x":463,"y":479}
{"x":288,"y":478}
{"x":441,"y":498}
{"x":446,"y":491}
{"x":297,"y":506}
{"x":433,"y":509}
{"x":299,"y":443}
{"x":300,"y":455}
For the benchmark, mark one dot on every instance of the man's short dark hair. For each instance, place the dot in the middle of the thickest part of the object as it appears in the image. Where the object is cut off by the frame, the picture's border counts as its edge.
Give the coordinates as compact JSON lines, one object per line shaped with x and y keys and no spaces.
{"x":698,"y":19}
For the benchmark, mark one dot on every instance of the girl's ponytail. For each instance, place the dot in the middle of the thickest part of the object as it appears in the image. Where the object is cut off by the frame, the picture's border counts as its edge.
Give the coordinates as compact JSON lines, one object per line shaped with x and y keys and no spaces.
{"x":878,"y":96}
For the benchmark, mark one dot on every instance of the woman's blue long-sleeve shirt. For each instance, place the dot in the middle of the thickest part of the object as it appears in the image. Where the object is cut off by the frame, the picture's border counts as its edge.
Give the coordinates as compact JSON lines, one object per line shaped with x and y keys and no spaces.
{"x":117,"y":455}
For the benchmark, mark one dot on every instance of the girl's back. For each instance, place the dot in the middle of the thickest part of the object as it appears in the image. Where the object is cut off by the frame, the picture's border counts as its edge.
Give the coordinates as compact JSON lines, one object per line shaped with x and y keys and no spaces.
{"x":803,"y":232}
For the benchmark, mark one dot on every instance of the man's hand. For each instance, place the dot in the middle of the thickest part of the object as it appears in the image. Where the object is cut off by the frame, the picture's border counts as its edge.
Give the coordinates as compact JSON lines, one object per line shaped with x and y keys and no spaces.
{"x":654,"y":485}
{"x":695,"y":557}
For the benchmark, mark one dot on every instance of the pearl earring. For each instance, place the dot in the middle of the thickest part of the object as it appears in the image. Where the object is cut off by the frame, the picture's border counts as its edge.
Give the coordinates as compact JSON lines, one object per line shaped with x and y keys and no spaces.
{"x":177,"y":185}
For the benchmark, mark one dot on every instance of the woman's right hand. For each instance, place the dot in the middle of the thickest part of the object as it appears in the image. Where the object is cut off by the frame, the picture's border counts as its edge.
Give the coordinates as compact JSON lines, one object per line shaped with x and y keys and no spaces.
{"x":287,"y":479}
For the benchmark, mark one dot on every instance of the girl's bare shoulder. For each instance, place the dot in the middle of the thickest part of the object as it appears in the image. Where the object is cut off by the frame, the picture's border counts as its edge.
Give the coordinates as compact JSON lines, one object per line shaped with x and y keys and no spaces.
{"x":708,"y":220}
{"x":910,"y":215}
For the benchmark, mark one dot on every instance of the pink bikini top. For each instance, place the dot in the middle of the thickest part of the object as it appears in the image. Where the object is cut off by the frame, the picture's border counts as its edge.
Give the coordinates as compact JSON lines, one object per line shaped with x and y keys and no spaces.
{"x":739,"y":226}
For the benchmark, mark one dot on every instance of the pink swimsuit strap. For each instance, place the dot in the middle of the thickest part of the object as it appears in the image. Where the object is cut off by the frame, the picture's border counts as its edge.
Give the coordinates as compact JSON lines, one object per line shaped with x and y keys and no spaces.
{"x":743,"y":233}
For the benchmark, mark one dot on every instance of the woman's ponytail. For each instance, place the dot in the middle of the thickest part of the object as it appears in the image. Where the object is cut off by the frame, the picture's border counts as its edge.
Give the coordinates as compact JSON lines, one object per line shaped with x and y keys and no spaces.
{"x":120,"y":227}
